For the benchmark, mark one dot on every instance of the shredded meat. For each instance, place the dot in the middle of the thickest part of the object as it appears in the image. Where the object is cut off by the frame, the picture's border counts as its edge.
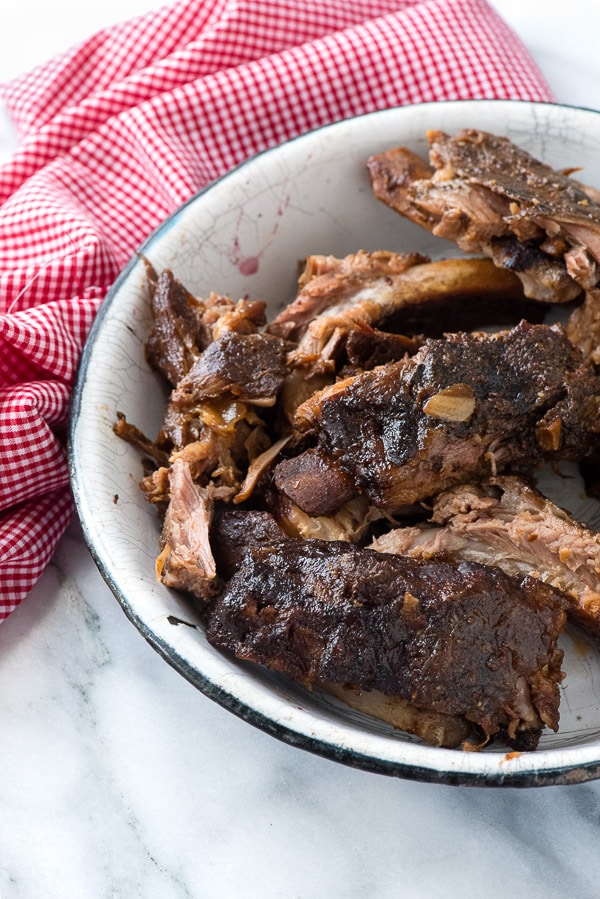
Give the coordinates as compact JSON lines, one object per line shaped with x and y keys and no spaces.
{"x":489,"y":196}
{"x":328,"y":283}
{"x":358,"y":292}
{"x":350,"y":522}
{"x":186,"y":561}
{"x":184,"y":325}
{"x":286,"y":447}
{"x":506,"y":522}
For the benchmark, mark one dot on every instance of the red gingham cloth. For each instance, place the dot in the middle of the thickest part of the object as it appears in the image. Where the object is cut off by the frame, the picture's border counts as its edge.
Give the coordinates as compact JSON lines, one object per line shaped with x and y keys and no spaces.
{"x":118,"y":131}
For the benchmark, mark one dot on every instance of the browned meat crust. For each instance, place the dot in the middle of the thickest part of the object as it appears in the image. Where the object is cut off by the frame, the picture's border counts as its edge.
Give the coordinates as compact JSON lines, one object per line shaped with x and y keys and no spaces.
{"x":219,"y":401}
{"x":506,"y":522}
{"x":315,"y":482}
{"x":437,"y":647}
{"x":461,"y":408}
{"x":331,"y":612}
{"x":184,"y":325}
{"x":249,"y":366}
{"x":488,"y":195}
{"x":368,"y":347}
{"x":233,"y":531}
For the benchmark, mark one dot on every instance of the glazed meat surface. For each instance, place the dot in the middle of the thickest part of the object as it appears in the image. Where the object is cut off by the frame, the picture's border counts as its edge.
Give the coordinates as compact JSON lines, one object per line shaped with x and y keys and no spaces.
{"x":331,"y":612}
{"x":183,"y":325}
{"x":490,"y":196}
{"x":461,"y":408}
{"x":216,"y":401}
{"x":249,"y":366}
{"x":234,"y":531}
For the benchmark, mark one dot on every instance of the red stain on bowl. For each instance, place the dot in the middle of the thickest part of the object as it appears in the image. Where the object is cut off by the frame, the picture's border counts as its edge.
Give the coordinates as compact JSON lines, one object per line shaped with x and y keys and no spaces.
{"x":248,"y":266}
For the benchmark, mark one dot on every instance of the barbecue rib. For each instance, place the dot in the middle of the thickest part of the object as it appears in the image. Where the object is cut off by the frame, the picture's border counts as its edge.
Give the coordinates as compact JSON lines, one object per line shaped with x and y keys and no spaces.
{"x":462,"y":640}
{"x":340,"y":296}
{"x":506,"y":522}
{"x":463,"y":407}
{"x":489,"y":196}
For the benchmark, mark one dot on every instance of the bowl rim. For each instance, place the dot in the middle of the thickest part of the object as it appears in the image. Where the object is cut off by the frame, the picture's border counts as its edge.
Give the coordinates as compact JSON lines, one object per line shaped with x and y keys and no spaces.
{"x":571,"y":771}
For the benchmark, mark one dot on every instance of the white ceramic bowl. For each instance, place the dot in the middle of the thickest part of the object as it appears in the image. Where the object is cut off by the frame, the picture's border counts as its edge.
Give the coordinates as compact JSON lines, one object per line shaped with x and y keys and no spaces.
{"x":243,"y":236}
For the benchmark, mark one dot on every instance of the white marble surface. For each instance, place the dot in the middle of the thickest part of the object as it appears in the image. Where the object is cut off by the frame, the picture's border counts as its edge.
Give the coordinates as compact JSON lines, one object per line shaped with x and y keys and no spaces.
{"x":118,"y":779}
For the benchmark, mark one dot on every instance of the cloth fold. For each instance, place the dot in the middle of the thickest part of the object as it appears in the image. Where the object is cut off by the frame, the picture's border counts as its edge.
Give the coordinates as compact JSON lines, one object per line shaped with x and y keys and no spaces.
{"x":118,"y":131}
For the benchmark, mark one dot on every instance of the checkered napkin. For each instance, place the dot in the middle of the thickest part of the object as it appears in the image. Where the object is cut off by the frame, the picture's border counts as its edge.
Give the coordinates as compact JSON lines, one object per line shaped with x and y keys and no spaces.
{"x":118,"y":131}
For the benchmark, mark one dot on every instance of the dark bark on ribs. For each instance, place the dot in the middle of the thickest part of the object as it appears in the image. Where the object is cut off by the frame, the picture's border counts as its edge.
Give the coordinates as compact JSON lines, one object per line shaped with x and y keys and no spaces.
{"x":368,"y":347}
{"x":233,"y":531}
{"x":172,"y":347}
{"x":249,"y":366}
{"x":185,"y":325}
{"x":330,"y":612}
{"x":316,"y":482}
{"x":460,"y":409}
{"x":487,"y":195}
{"x":236,"y":373}
{"x":506,"y":522}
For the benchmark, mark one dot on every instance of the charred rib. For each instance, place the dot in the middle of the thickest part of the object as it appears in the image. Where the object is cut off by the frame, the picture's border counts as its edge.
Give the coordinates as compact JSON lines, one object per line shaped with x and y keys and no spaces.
{"x":527,"y":396}
{"x":330,"y":612}
{"x":482,"y":191}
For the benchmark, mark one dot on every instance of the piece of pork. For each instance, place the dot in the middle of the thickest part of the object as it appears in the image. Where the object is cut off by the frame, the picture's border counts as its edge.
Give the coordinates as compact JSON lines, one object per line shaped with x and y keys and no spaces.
{"x":488,"y":195}
{"x":342,"y":298}
{"x":248,"y":366}
{"x":234,"y":531}
{"x":350,"y":522}
{"x":186,"y":561}
{"x":325,"y":612}
{"x":212,"y":420}
{"x":217,"y":406}
{"x":506,"y":522}
{"x":329,"y":281}
{"x":462,"y":408}
{"x":435,"y":728}
{"x":184,"y":325}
